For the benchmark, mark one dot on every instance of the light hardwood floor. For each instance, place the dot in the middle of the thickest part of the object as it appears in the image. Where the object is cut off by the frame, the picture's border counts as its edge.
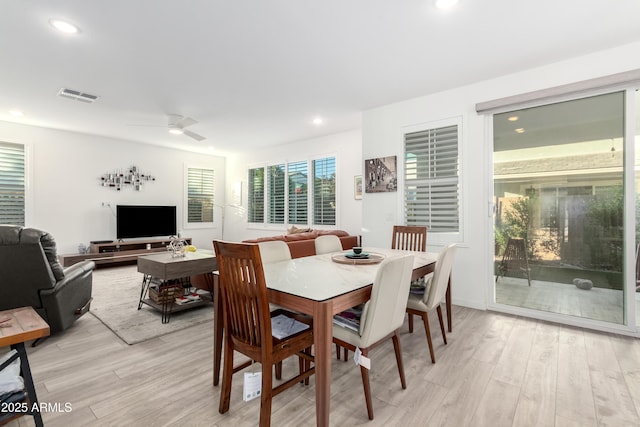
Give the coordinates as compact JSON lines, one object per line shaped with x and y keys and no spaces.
{"x":497,"y":370}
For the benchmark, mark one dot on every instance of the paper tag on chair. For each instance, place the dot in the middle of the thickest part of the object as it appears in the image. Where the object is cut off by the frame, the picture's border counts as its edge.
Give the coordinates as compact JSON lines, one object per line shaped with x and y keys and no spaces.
{"x":252,"y":385}
{"x":361,"y":360}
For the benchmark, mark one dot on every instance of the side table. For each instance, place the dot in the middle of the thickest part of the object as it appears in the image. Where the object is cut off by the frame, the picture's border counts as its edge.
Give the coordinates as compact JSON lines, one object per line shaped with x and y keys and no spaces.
{"x":24,"y":325}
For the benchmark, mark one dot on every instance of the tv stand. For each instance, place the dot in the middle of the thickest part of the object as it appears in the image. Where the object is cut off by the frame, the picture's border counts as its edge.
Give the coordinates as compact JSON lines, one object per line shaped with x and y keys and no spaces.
{"x":118,"y":252}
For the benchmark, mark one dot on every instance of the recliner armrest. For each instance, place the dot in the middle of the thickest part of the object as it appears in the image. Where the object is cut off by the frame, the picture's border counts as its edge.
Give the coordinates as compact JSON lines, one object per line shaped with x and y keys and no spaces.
{"x":70,"y":297}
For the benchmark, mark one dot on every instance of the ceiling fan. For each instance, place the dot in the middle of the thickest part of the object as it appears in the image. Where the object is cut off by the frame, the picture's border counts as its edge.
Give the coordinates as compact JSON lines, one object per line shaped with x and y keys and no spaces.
{"x":177,"y":124}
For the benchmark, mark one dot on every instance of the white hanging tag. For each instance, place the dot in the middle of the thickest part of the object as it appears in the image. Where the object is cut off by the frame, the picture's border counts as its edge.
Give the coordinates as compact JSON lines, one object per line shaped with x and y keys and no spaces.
{"x":361,"y":360}
{"x":252,"y":386}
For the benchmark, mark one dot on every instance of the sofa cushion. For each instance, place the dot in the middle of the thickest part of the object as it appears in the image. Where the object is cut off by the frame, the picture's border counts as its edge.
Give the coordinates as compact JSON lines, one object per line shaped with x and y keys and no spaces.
{"x":339,"y":233}
{"x":309,"y":235}
{"x":265,"y":239}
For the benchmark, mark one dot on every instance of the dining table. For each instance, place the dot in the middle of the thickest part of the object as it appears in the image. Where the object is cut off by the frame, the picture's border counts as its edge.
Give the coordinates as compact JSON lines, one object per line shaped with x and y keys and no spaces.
{"x":321,"y":287}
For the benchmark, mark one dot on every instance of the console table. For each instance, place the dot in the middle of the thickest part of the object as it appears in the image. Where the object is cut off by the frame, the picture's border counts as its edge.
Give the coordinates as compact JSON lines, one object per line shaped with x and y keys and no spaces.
{"x":111,"y":253}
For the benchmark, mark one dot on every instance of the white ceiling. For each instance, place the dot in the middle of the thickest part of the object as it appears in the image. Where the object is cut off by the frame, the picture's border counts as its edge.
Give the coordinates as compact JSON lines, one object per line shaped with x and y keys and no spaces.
{"x":256,"y":72}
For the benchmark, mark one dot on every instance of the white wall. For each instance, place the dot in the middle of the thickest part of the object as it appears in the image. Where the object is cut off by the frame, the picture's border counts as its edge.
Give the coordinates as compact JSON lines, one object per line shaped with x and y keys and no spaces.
{"x":382,"y":136}
{"x":65,"y":171}
{"x":346,"y":147}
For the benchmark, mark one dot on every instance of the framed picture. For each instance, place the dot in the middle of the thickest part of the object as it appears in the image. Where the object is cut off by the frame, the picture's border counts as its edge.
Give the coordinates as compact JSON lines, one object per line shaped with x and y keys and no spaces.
{"x":357,"y":187}
{"x":380,"y":175}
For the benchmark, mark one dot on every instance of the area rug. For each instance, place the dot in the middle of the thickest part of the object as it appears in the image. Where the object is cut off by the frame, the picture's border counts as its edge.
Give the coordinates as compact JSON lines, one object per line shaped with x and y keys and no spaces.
{"x":116,"y":292}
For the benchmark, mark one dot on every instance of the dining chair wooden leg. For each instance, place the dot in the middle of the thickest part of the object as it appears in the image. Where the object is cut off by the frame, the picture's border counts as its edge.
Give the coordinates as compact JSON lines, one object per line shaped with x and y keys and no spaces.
{"x":227,"y":375}
{"x":338,"y":351}
{"x":398,"y":351}
{"x":367,"y":387}
{"x":305,"y":364}
{"x":427,"y":329}
{"x":444,"y":335}
{"x":410,"y":323}
{"x":266,"y":395}
{"x":278,"y":369}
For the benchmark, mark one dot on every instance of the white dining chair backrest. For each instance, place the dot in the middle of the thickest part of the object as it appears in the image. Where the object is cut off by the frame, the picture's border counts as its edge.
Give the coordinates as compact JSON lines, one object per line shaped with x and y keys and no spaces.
{"x":384,"y":312}
{"x":327,"y":243}
{"x":274,"y":251}
{"x":440,"y":278}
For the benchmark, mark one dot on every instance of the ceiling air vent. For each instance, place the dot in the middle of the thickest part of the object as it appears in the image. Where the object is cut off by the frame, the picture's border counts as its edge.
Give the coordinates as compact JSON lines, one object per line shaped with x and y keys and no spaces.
{"x":77,"y":95}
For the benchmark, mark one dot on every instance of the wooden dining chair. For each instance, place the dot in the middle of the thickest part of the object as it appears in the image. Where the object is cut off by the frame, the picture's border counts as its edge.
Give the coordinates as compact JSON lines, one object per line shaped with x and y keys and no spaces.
{"x":381,"y":318}
{"x":327,"y":244}
{"x":434,"y":294}
{"x":274,"y":251}
{"x":409,"y":238}
{"x":248,"y":325}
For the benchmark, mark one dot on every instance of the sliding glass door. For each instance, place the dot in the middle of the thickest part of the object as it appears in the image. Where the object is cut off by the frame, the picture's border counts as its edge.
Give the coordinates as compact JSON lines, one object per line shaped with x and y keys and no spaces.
{"x":636,"y":279}
{"x":559,"y":197}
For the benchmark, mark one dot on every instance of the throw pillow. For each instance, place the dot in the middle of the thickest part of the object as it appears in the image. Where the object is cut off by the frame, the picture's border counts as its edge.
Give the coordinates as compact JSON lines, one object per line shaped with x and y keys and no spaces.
{"x":295,"y":230}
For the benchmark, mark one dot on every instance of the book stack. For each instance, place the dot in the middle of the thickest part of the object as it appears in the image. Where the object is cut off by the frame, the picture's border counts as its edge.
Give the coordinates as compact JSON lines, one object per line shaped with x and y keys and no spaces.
{"x":349,"y":318}
{"x":188,"y":299}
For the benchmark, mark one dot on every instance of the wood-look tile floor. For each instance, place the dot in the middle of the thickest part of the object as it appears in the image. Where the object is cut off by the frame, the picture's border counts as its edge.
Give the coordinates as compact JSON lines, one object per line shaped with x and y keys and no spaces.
{"x":497,"y":370}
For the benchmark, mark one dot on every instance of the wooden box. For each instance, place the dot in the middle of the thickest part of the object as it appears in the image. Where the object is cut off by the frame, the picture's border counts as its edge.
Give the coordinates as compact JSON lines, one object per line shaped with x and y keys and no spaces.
{"x":165,"y":293}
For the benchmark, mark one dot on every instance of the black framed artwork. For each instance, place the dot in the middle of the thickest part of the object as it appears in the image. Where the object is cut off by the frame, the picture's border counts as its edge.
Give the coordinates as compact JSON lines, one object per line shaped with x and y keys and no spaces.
{"x":380,"y":174}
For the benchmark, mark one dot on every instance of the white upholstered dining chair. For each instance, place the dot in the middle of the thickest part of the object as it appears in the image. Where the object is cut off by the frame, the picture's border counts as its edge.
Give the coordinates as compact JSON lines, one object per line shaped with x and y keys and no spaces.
{"x":435,"y":290}
{"x":327,"y":243}
{"x":381,"y":318}
{"x":274,"y":251}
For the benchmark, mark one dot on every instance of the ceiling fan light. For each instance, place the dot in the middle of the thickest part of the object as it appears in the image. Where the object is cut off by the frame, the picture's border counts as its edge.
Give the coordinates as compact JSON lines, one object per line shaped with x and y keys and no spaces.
{"x":64,"y":26}
{"x":176,"y":131}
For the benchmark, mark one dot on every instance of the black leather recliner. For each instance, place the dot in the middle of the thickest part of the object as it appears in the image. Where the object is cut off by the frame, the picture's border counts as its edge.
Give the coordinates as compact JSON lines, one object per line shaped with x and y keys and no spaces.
{"x":30,"y":275}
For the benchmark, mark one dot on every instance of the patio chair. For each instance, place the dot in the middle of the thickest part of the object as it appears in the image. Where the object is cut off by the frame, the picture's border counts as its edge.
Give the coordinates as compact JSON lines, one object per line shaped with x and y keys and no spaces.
{"x":515,"y":259}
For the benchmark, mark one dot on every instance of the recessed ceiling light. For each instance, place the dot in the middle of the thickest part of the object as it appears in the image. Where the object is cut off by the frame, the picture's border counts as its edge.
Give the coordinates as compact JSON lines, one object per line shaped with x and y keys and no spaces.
{"x":64,"y":26}
{"x":513,"y":118}
{"x":445,"y":4}
{"x":317,"y":121}
{"x":16,"y":113}
{"x":520,"y":130}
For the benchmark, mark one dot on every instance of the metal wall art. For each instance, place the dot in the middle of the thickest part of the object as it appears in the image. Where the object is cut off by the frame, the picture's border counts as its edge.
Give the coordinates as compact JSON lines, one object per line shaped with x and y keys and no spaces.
{"x":131,"y":177}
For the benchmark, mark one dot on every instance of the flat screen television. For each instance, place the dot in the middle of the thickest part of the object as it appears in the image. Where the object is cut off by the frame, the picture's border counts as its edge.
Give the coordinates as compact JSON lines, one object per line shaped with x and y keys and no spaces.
{"x":145,"y":221}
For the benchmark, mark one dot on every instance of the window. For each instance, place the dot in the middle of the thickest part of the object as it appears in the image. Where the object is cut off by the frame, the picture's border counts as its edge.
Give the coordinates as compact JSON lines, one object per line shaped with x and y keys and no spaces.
{"x":200,"y":189}
{"x":298,"y":192}
{"x":12,"y":184}
{"x":275,"y":180}
{"x":324,"y":191}
{"x":431,"y":179}
{"x":256,"y":195}
{"x":292,"y":195}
